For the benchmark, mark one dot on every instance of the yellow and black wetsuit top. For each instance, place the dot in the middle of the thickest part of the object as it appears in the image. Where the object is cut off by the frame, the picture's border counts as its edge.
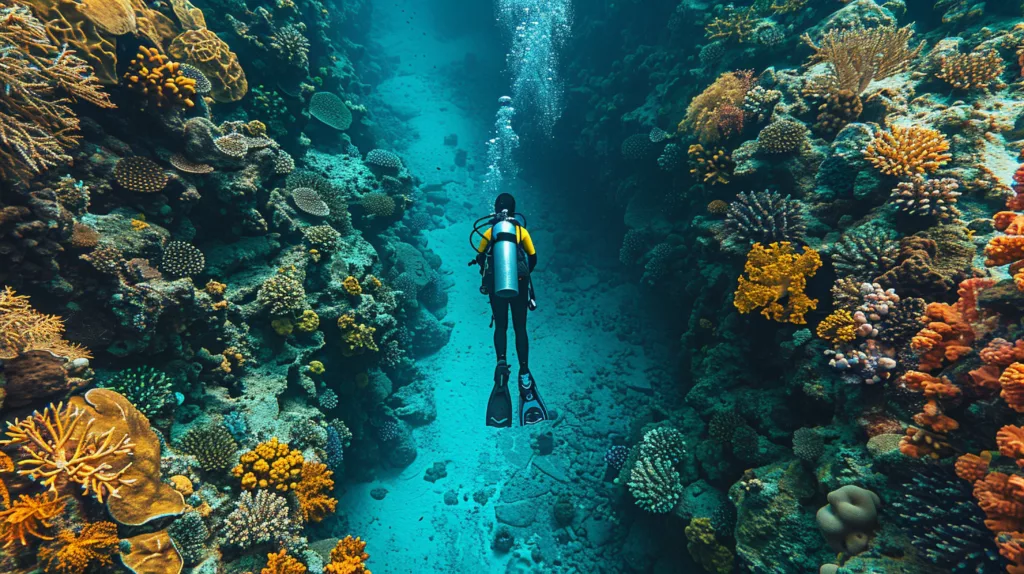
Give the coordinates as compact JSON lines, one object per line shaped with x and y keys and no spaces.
{"x":522,"y":238}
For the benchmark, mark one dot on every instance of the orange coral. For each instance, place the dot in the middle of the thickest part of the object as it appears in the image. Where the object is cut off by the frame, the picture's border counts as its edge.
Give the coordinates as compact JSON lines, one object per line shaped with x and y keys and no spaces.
{"x":6,"y":465}
{"x":1012,"y":382}
{"x":314,"y":505}
{"x":1010,"y":439}
{"x":272,"y":464}
{"x":932,"y":418}
{"x":24,"y":329}
{"x":282,"y":563}
{"x":950,"y":330}
{"x":72,"y":553}
{"x":1000,"y":496}
{"x":920,"y":443}
{"x":1008,"y":249}
{"x":29,"y":516}
{"x":348,"y":557}
{"x":906,"y":151}
{"x":161,"y":81}
{"x":777,"y":278}
{"x":932,"y":386}
{"x":59,"y":443}
{"x":971,"y":467}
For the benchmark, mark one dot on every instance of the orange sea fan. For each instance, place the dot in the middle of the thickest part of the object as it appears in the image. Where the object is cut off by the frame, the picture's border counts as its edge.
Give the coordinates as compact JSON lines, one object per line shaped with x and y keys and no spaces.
{"x":28,"y":516}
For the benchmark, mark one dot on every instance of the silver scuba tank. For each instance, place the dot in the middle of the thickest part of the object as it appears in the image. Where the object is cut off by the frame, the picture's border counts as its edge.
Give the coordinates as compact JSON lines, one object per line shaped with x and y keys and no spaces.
{"x":506,"y":259}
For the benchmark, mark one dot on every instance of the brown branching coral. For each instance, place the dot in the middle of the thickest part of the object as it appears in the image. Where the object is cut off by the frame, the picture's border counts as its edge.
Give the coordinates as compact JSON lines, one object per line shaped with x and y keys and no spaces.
{"x":907,"y":151}
{"x":710,"y":167}
{"x":973,"y":71}
{"x":857,"y":56}
{"x":24,"y":329}
{"x":37,"y":125}
{"x":703,"y":114}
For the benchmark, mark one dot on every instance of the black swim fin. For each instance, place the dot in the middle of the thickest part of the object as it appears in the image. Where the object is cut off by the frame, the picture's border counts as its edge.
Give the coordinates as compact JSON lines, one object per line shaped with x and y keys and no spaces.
{"x":499,"y":405}
{"x":531,"y":406}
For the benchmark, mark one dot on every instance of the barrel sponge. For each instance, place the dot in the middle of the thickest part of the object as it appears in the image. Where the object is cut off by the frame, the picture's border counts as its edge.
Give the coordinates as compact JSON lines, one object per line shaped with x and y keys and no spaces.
{"x":848,"y":519}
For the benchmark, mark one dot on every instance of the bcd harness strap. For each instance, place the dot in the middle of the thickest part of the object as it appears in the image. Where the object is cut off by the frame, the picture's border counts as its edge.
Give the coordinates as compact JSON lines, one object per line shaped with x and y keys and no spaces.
{"x":506,"y":236}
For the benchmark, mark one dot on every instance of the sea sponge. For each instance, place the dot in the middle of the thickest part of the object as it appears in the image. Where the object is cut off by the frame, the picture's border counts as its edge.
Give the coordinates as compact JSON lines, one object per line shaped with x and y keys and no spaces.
{"x":182,"y":259}
{"x":906,"y":151}
{"x":849,"y":518}
{"x":210,"y":55}
{"x":152,"y":75}
{"x":212,"y":445}
{"x":140,"y":174}
{"x":272,"y":464}
{"x":777,"y":278}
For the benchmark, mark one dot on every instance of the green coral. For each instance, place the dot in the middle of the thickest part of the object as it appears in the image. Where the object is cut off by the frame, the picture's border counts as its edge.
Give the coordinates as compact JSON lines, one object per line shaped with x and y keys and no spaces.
{"x":145,"y":387}
{"x":701,"y":543}
{"x":378,"y":204}
{"x":212,"y":445}
{"x":283,"y":294}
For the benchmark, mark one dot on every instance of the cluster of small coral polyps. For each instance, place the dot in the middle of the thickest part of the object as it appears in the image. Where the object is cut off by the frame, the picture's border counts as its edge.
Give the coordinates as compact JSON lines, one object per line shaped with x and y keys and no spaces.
{"x":161,"y":81}
{"x":906,"y":151}
{"x":776,"y":282}
{"x":271,"y":464}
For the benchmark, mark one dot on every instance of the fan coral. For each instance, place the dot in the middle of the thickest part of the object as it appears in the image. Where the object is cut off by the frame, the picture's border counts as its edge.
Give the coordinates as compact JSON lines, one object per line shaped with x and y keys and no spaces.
{"x":777,"y":278}
{"x":140,"y":174}
{"x":23,"y":329}
{"x":71,"y":553}
{"x":348,"y":557}
{"x":211,"y":56}
{"x":906,"y":151}
{"x":212,"y":445}
{"x":308,"y":200}
{"x":259,"y":519}
{"x":160,"y":81}
{"x":973,"y":71}
{"x":703,"y":112}
{"x":378,"y":204}
{"x":765,"y":217}
{"x":28,"y":516}
{"x":782,"y":136}
{"x":145,"y":387}
{"x":271,"y":464}
{"x":38,"y":127}
{"x":331,"y":110}
{"x":838,"y":327}
{"x":182,"y":259}
{"x":383,"y":159}
{"x":314,"y":505}
{"x":282,"y":294}
{"x":856,"y":56}
{"x":710,"y":167}
{"x":928,"y":197}
{"x":864,"y":255}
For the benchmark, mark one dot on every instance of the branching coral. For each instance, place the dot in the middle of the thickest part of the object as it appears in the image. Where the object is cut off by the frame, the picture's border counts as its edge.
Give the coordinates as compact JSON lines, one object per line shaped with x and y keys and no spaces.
{"x":857,"y":56}
{"x":348,"y":557}
{"x":259,"y":519}
{"x":782,"y":136}
{"x":928,"y":197}
{"x":765,"y":217}
{"x":23,"y":329}
{"x":776,"y":281}
{"x":212,"y":445}
{"x":314,"y":504}
{"x":702,"y":115}
{"x":28,"y":517}
{"x":973,"y":71}
{"x":735,"y":23}
{"x":710,"y":167}
{"x":272,"y":464}
{"x":907,"y":151}
{"x":73,"y":553}
{"x":37,"y":125}
{"x":160,"y":81}
{"x":357,"y":337}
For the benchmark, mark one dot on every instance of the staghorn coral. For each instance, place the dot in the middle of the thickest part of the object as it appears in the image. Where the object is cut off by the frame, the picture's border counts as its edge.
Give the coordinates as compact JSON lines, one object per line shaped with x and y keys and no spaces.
{"x":209,"y":54}
{"x":765,"y":217}
{"x":259,"y":519}
{"x":776,"y":281}
{"x":907,"y":151}
{"x":331,"y":110}
{"x":655,"y":485}
{"x":928,"y":197}
{"x":314,"y":504}
{"x":73,"y":552}
{"x":857,"y":56}
{"x":702,"y":115}
{"x":23,"y":329}
{"x":159,"y":80}
{"x":272,"y":464}
{"x":710,"y":167}
{"x":28,"y":516}
{"x":212,"y":445}
{"x":41,"y":79}
{"x":738,"y":24}
{"x":974,"y":71}
{"x":348,"y":557}
{"x":864,"y":254}
{"x":782,"y":136}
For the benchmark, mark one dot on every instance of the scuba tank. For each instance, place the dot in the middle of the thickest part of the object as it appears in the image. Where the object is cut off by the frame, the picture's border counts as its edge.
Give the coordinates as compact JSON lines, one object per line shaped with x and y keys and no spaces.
{"x":505,"y":250}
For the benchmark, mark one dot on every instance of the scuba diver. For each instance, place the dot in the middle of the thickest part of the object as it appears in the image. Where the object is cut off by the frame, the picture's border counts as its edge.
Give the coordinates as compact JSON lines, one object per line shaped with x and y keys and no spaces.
{"x":506,"y":256}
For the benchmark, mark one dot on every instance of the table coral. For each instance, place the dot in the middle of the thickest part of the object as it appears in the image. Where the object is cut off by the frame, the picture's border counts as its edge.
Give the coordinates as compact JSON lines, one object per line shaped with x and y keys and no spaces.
{"x":152,"y":553}
{"x":776,"y":280}
{"x":272,"y":464}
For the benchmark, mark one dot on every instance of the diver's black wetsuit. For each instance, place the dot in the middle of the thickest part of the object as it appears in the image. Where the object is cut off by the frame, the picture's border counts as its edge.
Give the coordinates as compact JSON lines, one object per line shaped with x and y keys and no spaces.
{"x":500,"y":308}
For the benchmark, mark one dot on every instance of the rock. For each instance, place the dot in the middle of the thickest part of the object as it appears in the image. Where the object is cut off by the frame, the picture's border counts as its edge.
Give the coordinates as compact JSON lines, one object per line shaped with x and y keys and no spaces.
{"x":521,"y":514}
{"x":32,"y":376}
{"x":436,"y":472}
{"x":379,"y":493}
{"x":598,"y":531}
{"x":552,"y":467}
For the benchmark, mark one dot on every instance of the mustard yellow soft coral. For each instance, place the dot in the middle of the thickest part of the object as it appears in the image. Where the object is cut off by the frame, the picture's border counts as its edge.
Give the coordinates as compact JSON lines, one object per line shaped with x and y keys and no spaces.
{"x":314,"y":505}
{"x":838,"y":327}
{"x":777,"y":280}
{"x":357,"y":337}
{"x":348,"y":557}
{"x":351,"y":285}
{"x":271,"y":464}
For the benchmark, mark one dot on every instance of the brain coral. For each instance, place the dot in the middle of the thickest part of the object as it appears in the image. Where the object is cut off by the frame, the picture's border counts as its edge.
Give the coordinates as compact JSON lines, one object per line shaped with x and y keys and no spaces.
{"x":211,"y":56}
{"x":331,"y":110}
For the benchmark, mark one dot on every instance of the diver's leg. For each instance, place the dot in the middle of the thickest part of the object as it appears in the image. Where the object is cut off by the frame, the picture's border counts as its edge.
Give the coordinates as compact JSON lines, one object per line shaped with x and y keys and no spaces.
{"x":531,"y":407}
{"x":519,"y":310}
{"x":499,"y":310}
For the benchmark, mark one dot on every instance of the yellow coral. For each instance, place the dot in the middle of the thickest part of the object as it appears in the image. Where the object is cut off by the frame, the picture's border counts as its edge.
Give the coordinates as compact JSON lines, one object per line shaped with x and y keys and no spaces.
{"x":282,"y":563}
{"x":314,"y":505}
{"x":777,"y":280}
{"x":215,"y":288}
{"x":72,"y":553}
{"x":738,"y":23}
{"x":282,"y":326}
{"x":976,"y":70}
{"x":348,"y":557}
{"x":907,"y":151}
{"x":351,"y":285}
{"x":838,"y":327}
{"x":204,"y":50}
{"x":308,"y":322}
{"x":702,"y":115}
{"x":271,"y":464}
{"x":22,"y":329}
{"x":29,"y":516}
{"x":710,"y":167}
{"x":160,"y":80}
{"x":356,"y":336}
{"x":374,"y":282}
{"x":316,"y":367}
